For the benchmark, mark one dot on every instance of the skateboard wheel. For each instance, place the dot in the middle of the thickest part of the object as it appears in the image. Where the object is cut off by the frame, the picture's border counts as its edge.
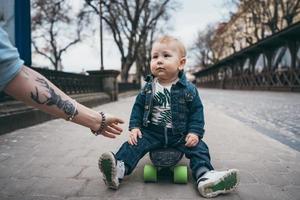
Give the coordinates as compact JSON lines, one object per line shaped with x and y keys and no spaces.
{"x":150,"y":173}
{"x":180,"y":174}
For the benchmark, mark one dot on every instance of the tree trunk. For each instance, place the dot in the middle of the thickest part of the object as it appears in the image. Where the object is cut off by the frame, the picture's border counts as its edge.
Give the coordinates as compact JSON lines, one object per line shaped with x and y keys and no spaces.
{"x":138,"y":72}
{"x":124,"y":72}
{"x":289,"y":19}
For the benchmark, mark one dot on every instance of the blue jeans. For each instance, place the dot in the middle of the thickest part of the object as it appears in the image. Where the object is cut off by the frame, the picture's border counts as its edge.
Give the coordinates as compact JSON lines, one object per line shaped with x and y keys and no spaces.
{"x":155,"y":137}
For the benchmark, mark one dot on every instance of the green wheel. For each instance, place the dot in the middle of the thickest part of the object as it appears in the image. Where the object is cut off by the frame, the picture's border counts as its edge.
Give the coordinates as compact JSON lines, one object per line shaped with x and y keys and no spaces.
{"x":150,"y":173}
{"x":180,"y":174}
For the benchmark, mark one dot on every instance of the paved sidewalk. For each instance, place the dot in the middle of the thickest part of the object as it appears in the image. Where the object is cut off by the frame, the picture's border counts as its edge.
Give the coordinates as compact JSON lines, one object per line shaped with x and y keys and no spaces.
{"x":58,"y":160}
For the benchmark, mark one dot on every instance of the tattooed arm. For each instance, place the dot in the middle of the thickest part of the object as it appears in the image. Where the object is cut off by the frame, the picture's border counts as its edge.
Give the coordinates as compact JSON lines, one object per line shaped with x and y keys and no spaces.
{"x":34,"y":89}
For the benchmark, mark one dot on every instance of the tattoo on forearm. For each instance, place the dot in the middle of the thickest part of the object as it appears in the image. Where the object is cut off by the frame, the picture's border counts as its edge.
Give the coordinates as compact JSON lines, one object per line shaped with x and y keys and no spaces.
{"x":54,"y":98}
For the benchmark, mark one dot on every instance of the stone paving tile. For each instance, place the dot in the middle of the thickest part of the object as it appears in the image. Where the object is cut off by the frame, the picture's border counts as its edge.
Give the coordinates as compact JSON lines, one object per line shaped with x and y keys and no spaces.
{"x":58,"y":160}
{"x":275,"y":114}
{"x":16,"y":197}
{"x":57,"y":187}
{"x":15,"y":186}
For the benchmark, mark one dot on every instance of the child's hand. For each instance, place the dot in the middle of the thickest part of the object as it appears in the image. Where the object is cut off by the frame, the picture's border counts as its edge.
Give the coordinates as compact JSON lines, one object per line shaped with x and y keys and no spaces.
{"x":191,"y":140}
{"x":134,"y":133}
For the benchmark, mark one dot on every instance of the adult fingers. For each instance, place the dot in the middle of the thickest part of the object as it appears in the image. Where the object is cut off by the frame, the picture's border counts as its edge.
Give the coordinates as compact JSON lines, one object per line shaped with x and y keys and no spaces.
{"x":115,"y":126}
{"x":118,"y":120}
{"x":107,"y":134}
{"x":112,"y":130}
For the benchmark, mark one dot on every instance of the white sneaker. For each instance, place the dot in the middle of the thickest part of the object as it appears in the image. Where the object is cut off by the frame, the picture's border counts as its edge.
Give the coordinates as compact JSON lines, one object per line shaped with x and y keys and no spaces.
{"x":213,"y":183}
{"x":112,"y":170}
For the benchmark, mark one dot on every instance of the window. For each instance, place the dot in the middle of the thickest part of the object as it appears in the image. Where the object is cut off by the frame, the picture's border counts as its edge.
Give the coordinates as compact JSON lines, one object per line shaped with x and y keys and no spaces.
{"x":228,"y":72}
{"x":237,"y":68}
{"x":221,"y":74}
{"x":282,"y":59}
{"x":261,"y":64}
{"x":247,"y":66}
{"x":298,"y":58}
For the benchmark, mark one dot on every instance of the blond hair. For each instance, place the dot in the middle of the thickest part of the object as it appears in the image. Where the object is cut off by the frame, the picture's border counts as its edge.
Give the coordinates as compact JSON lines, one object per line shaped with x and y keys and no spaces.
{"x":167,"y":39}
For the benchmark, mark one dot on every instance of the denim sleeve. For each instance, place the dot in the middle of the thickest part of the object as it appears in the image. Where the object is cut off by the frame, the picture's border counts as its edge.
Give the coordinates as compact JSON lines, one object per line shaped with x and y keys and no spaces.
{"x":196,"y":117}
{"x":137,"y":113}
{"x":10,"y":62}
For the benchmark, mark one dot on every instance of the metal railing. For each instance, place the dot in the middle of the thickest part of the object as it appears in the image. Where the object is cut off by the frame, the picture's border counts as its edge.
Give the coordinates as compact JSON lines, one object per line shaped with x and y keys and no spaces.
{"x":70,"y":83}
{"x":288,"y":80}
{"x":242,"y":70}
{"x":123,"y":87}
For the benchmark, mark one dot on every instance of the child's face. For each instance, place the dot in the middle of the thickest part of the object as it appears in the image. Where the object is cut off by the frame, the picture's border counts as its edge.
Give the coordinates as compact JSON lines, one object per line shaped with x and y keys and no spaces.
{"x":166,"y":61}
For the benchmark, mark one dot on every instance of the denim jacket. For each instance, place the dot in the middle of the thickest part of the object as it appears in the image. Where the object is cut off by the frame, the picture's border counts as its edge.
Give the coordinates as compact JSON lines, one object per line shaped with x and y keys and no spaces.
{"x":186,"y":107}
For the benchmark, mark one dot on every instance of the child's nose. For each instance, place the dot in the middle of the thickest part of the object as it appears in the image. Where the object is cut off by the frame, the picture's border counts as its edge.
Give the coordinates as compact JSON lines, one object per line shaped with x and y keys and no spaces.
{"x":159,"y":61}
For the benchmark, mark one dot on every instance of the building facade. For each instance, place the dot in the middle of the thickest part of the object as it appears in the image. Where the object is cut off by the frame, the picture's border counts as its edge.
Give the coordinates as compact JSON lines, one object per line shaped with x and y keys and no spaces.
{"x":253,"y":54}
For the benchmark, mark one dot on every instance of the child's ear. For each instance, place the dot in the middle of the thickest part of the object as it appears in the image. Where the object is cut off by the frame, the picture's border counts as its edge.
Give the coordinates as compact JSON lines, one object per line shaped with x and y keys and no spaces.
{"x":182,"y":63}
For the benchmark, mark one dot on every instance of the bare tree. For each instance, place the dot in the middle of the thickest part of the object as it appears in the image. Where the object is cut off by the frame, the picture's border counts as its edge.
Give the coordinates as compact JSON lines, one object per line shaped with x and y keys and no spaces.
{"x":253,"y":21}
{"x":290,"y":8}
{"x":254,"y":12}
{"x":144,"y":53}
{"x":130,"y":21}
{"x":144,"y":56}
{"x":269,"y":14}
{"x":203,"y":47}
{"x":55,"y":29}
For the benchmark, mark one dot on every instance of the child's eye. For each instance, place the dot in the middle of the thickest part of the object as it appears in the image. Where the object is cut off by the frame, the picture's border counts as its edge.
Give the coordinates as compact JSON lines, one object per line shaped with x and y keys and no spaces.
{"x":167,"y":55}
{"x":155,"y":56}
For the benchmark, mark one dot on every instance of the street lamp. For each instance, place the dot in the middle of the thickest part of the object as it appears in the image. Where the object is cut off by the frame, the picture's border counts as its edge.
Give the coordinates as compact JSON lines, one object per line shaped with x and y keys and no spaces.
{"x":101,"y":39}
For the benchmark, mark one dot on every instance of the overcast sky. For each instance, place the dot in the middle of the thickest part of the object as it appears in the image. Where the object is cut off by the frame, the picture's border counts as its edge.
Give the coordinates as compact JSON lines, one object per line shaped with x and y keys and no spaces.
{"x":194,"y":15}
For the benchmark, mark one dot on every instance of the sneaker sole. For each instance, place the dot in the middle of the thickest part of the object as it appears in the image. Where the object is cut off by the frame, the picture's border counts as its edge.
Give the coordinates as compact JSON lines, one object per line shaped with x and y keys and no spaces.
{"x":107,"y":166}
{"x":227,"y":184}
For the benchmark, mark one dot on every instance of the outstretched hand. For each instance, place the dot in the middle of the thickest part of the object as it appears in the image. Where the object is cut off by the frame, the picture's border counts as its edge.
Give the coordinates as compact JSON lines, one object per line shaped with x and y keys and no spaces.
{"x":112,"y":128}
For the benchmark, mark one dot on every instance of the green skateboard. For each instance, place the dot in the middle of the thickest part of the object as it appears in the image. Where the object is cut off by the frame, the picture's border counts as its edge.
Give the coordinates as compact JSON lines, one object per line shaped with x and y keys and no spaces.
{"x":164,"y":163}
